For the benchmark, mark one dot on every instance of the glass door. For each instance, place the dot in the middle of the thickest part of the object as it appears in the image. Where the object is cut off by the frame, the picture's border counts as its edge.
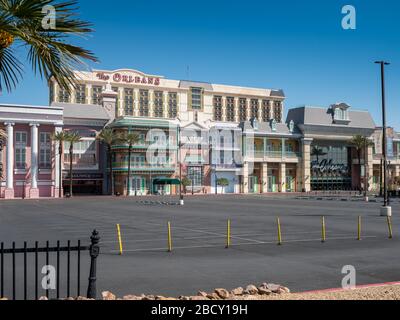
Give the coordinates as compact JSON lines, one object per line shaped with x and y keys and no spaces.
{"x":138,"y":186}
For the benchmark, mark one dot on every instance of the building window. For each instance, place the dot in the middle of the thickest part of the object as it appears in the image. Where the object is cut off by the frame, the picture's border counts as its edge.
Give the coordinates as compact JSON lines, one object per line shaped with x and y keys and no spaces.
{"x":63,"y":96}
{"x":196,"y":98}
{"x":115,"y":89}
{"x":341,"y":114}
{"x":172,"y":105}
{"x":158,"y":104}
{"x":84,"y":154}
{"x":278,"y":111}
{"x":20,"y":149}
{"x":96,"y":95}
{"x":80,"y":95}
{"x":128,"y":94}
{"x":230,"y":109}
{"x":266,"y":111}
{"x":254,"y":108}
{"x":218,"y":108}
{"x":195,"y":174}
{"x":144,"y":103}
{"x":242,"y":109}
{"x":45,"y":150}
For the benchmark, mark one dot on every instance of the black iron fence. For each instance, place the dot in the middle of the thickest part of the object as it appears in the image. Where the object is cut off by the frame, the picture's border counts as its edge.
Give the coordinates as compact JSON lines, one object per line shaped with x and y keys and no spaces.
{"x":58,"y":250}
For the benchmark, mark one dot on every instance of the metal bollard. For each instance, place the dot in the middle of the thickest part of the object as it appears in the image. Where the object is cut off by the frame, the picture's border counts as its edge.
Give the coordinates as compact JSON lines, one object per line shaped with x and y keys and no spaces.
{"x":279,"y":231}
{"x":94,"y":251}
{"x":323,"y":230}
{"x":119,"y":240}
{"x":228,"y":234}
{"x":169,"y":237}
{"x":359,"y":229}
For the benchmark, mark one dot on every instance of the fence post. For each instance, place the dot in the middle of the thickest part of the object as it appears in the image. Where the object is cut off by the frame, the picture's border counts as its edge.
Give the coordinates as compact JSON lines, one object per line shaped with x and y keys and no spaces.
{"x":94,"y":251}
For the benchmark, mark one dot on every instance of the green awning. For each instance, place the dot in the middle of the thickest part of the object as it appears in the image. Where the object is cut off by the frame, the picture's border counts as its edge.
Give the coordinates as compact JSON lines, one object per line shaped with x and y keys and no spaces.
{"x":164,"y":181}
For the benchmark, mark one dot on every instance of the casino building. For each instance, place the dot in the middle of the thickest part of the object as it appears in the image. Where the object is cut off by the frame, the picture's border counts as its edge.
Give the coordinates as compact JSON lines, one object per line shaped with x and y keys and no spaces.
{"x":222,"y":138}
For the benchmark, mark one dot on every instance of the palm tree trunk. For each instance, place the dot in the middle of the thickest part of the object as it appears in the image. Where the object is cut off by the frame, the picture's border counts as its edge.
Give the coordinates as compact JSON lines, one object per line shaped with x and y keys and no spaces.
{"x":60,"y":182}
{"x":359,"y":169}
{"x":71,"y":153}
{"x":128,"y":183}
{"x":111,"y":170}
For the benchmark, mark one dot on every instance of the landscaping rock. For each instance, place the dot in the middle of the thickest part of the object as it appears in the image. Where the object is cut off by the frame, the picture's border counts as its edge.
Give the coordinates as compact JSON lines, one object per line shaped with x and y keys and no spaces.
{"x":273,"y":287}
{"x":222,"y":293}
{"x":237,"y":291}
{"x":202,"y":294}
{"x":264,"y":291}
{"x":251,"y":289}
{"x":107,"y":295}
{"x":213,"y":296}
{"x":131,"y":297}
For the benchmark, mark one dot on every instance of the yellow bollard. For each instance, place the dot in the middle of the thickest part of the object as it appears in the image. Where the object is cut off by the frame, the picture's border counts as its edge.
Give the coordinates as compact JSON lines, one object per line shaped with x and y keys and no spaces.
{"x":279,"y":231}
{"x":359,"y":229}
{"x":169,"y":237}
{"x":389,"y":221}
{"x":119,"y":239}
{"x":228,"y":234}
{"x":323,"y":230}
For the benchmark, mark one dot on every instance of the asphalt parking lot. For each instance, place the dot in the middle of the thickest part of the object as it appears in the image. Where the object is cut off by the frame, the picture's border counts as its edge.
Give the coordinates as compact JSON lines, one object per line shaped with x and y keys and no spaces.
{"x":199,"y":260}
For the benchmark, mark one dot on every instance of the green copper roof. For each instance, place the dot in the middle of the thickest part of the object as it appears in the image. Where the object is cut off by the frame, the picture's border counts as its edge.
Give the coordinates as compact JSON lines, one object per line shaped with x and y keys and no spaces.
{"x":142,"y":123}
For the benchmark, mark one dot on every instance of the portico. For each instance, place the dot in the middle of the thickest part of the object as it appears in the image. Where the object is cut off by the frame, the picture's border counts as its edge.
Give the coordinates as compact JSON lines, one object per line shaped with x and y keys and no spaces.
{"x":29,"y":151}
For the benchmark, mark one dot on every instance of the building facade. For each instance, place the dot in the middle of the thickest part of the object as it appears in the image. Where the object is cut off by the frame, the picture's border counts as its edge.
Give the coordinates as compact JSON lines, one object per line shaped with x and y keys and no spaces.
{"x":223,"y":139}
{"x":29,"y":155}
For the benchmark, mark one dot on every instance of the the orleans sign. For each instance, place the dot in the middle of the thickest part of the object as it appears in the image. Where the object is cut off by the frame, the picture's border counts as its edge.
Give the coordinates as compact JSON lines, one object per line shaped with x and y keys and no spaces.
{"x":120,"y":77}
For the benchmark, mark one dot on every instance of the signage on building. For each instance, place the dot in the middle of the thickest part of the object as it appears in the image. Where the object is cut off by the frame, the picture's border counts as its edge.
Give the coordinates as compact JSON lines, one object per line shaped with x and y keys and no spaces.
{"x":128,"y":78}
{"x":327,"y":166}
{"x":84,"y":176}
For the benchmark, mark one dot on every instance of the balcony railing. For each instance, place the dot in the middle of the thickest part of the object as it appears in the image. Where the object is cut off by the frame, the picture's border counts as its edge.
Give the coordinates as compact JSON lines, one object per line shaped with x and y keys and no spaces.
{"x":145,"y":145}
{"x":144,"y":167}
{"x":273,"y":154}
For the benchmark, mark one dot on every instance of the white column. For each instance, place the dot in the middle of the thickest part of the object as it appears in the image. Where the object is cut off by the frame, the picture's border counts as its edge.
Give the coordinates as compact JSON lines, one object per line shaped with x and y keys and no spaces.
{"x":136,"y":102}
{"x":57,"y":161}
{"x":10,"y":155}
{"x":271,"y":109}
{"x":34,"y":155}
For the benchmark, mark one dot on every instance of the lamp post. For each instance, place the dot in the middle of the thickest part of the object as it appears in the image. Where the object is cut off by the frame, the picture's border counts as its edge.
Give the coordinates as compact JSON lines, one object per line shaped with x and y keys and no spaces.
{"x":181,"y":202}
{"x":386,"y":210}
{"x":366,"y":182}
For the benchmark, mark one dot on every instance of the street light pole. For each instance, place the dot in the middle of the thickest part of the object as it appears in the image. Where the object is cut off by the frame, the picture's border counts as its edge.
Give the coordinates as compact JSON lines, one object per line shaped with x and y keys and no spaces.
{"x":385,"y":210}
{"x":181,"y":202}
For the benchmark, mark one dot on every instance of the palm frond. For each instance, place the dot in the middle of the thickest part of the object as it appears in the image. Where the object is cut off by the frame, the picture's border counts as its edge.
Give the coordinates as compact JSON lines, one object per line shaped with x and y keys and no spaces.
{"x":10,"y":69}
{"x":49,"y":51}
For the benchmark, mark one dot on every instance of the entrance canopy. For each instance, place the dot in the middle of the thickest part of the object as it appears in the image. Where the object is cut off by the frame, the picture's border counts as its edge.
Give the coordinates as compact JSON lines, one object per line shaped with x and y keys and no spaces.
{"x":166,"y":181}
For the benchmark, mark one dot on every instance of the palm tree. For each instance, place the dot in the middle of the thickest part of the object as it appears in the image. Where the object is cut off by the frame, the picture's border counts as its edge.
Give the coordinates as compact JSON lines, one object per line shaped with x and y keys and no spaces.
{"x":129,"y":138}
{"x":109,"y":137}
{"x":60,"y":138}
{"x":360,"y":143}
{"x":46,"y":39}
{"x":317,"y":152}
{"x":71,"y":138}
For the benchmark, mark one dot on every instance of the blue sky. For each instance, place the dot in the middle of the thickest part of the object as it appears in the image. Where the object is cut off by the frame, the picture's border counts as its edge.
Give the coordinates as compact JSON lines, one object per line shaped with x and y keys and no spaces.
{"x":295,"y":45}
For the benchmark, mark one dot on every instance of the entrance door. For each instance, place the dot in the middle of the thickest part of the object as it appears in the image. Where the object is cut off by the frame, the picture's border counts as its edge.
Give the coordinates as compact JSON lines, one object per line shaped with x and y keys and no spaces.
{"x":138,"y":186}
{"x":271,"y":184}
{"x":289,"y":184}
{"x":253,"y":184}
